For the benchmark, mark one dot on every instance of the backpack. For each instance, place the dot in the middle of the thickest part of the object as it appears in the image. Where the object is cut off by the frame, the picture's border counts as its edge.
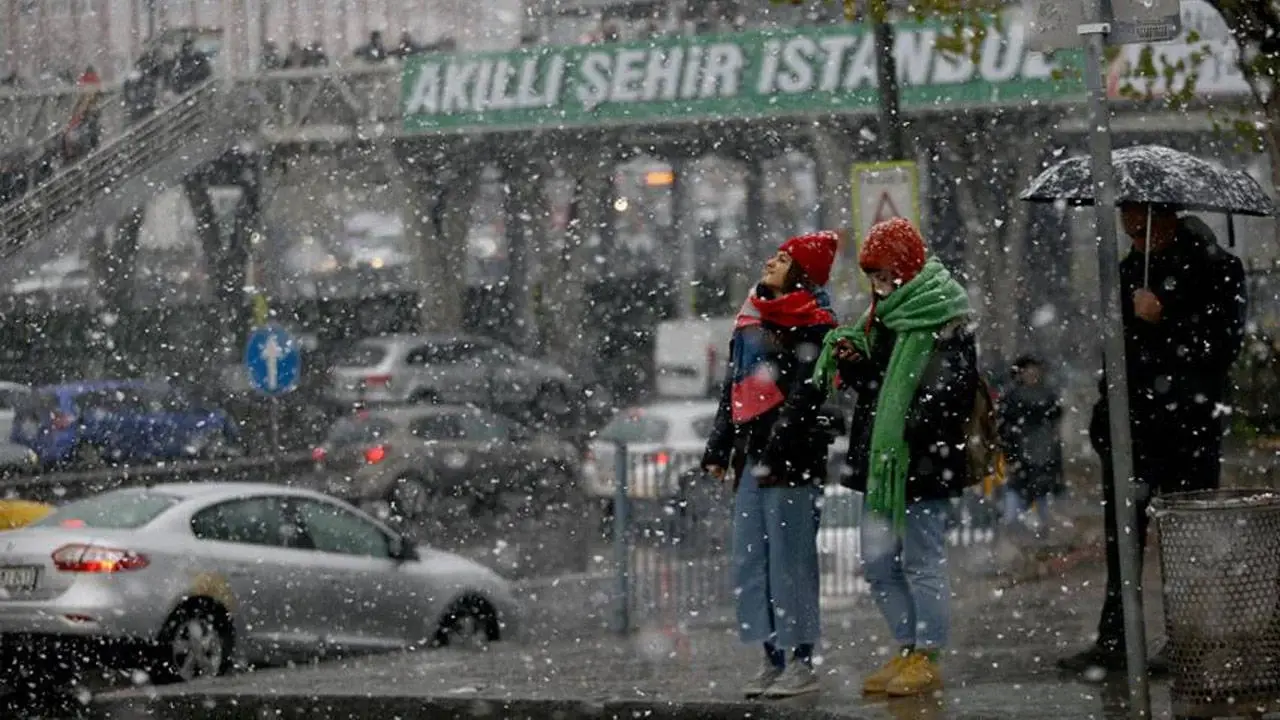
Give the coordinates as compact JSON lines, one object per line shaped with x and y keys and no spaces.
{"x":985,"y":455}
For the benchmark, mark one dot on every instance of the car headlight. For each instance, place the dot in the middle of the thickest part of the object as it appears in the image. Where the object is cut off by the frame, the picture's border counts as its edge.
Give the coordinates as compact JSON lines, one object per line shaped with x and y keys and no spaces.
{"x":32,"y":458}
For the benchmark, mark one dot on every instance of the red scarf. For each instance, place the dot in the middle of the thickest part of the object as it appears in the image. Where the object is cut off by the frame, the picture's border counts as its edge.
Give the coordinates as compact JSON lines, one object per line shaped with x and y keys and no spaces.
{"x":795,"y":309}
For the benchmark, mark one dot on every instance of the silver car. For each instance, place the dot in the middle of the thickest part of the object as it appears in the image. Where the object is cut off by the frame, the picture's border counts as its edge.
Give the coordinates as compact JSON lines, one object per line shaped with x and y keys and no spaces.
{"x":446,"y":369}
{"x":192,"y":579}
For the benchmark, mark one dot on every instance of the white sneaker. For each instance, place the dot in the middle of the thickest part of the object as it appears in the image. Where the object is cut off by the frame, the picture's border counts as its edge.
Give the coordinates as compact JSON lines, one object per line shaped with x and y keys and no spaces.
{"x":768,"y":675}
{"x":798,"y":679}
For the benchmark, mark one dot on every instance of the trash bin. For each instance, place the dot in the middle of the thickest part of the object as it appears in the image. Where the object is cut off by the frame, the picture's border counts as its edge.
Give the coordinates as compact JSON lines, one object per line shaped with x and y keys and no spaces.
{"x":1220,"y":560}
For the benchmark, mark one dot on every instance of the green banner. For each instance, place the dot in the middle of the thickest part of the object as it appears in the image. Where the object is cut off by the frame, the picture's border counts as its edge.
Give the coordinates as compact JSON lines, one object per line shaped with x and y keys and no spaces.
{"x":797,"y":71}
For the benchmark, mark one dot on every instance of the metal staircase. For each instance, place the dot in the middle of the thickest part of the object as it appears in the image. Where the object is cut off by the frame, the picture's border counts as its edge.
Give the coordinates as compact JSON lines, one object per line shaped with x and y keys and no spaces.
{"x":126,"y":172}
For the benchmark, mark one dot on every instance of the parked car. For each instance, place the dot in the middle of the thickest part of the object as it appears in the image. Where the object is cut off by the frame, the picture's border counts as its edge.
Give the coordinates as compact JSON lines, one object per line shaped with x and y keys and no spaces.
{"x":11,"y":394}
{"x":449,"y":369}
{"x":394,"y":461}
{"x":92,"y":422}
{"x":187,"y":580}
{"x":17,"y":460}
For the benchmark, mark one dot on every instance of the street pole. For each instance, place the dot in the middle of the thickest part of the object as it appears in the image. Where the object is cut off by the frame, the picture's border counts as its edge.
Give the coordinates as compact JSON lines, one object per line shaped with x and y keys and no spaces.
{"x":275,"y":436}
{"x":1123,"y":497}
{"x":887,"y":83}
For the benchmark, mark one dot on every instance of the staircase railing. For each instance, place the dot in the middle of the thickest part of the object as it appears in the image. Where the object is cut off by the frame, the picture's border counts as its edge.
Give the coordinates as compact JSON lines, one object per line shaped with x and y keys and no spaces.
{"x":195,"y":117}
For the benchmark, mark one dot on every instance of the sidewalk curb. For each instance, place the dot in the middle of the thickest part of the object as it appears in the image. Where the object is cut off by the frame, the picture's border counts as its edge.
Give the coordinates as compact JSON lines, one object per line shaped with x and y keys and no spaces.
{"x":224,"y":706}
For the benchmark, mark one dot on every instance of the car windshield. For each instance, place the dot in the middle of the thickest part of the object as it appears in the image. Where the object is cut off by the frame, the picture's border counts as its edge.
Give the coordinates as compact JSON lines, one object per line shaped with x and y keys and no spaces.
{"x":362,"y":355}
{"x":635,"y":427}
{"x":357,"y":431}
{"x":123,"y":510}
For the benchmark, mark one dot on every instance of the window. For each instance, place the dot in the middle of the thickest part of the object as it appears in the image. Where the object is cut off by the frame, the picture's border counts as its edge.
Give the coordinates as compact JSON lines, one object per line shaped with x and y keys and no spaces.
{"x":444,"y":354}
{"x":486,"y":427}
{"x":437,"y":427}
{"x":702,"y":426}
{"x":252,"y":521}
{"x":11,"y":398}
{"x":119,"y":510}
{"x":365,"y":354}
{"x":635,"y":428}
{"x":335,"y":530}
{"x":354,"y":431}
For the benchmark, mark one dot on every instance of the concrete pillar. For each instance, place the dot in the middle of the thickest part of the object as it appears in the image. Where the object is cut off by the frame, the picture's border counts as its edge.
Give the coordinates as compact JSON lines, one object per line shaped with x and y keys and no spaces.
{"x":833,"y":160}
{"x":757,"y":225}
{"x":565,"y":288}
{"x":440,"y":193}
{"x":683,"y":243}
{"x":526,"y":223}
{"x":119,"y":260}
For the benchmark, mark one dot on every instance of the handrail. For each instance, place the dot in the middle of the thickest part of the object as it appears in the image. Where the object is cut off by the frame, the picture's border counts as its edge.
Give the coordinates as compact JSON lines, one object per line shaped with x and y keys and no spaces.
{"x":152,"y":139}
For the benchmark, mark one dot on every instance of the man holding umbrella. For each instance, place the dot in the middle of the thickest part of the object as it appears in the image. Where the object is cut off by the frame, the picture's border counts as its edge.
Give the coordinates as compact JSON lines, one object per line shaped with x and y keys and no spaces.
{"x":1182,"y":308}
{"x":1183,"y":304}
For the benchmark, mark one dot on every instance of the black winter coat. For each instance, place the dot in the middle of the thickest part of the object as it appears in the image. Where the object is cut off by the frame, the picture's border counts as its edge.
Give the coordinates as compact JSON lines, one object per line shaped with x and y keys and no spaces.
{"x":1030,"y":428}
{"x":791,"y":440}
{"x":1179,"y":367}
{"x":936,"y":427}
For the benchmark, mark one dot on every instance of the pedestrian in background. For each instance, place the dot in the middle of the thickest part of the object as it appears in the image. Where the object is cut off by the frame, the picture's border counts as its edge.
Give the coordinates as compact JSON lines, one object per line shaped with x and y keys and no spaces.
{"x":767,"y":430}
{"x":1031,"y":428}
{"x":1183,"y":305}
{"x":912,"y":360}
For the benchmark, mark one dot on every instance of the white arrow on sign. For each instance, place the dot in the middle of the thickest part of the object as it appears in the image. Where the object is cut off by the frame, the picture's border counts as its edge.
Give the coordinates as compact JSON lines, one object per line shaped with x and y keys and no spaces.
{"x":272,"y":352}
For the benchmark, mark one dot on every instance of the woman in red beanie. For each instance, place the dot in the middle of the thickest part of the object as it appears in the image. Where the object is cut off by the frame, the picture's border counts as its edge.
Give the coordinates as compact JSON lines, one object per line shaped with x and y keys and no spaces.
{"x":767,"y":431}
{"x":912,"y":360}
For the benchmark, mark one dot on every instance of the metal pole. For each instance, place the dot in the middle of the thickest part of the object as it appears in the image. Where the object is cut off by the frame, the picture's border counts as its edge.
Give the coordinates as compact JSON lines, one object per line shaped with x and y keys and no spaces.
{"x":1114,"y":359}
{"x":682,"y":240}
{"x":887,"y":82}
{"x":621,"y":549}
{"x":275,"y":437}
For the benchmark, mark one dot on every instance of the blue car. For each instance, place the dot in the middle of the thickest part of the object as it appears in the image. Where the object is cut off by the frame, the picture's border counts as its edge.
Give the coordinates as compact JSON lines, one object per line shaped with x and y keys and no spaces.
{"x":112,"y":421}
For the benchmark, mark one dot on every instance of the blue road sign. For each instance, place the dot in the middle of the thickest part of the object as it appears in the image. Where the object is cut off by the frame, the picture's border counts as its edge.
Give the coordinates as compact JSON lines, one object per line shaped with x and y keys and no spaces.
{"x":273,"y":359}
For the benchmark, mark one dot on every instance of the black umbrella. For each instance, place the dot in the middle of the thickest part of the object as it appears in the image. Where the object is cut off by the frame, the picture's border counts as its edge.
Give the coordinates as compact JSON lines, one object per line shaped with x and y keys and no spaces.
{"x":1154,"y":174}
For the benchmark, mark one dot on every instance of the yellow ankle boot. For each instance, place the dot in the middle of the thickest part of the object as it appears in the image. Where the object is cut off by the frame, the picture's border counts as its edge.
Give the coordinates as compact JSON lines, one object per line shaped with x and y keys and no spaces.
{"x":878,"y":682}
{"x":918,"y":675}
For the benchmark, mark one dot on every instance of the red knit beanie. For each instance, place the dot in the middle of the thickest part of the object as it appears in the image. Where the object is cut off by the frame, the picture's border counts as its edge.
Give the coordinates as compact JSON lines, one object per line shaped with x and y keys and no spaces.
{"x":894,"y":245}
{"x":815,"y":253}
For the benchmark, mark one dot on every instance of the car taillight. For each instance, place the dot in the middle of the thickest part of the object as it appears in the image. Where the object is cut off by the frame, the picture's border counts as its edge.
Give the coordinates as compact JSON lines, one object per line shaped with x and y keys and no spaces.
{"x":62,"y":421}
{"x":319,"y":454}
{"x":375,"y":454}
{"x":96,"y":559}
{"x":377,"y":381}
{"x":663,"y":458}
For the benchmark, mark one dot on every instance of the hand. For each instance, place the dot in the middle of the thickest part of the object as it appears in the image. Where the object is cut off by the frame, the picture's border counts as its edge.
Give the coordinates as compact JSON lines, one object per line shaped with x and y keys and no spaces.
{"x":845,"y":352}
{"x":715,"y":471}
{"x":1147,"y":306}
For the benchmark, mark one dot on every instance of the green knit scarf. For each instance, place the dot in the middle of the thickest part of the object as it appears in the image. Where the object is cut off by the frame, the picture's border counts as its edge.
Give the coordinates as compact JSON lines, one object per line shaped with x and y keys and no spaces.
{"x":915,"y":312}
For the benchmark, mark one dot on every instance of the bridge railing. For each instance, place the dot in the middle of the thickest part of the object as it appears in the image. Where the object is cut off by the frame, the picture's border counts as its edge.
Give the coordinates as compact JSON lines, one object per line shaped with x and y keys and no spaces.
{"x":197,"y":117}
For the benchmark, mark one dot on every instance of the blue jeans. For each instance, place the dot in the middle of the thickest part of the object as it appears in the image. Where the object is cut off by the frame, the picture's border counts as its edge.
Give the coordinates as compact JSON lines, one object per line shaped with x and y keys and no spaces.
{"x":775,"y":563}
{"x":908,"y":573}
{"x":1015,"y":506}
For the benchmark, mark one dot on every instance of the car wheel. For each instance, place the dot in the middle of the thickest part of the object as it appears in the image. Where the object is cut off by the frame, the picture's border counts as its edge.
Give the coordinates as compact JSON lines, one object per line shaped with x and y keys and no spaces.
{"x":470,"y":623}
{"x":553,"y":400}
{"x":408,"y":498}
{"x":195,"y":643}
{"x":87,"y":455}
{"x":425,"y":397}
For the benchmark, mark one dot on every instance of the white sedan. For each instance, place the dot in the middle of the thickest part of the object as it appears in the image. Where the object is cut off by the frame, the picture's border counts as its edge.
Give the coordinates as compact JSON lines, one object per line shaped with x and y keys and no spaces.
{"x":187,"y":580}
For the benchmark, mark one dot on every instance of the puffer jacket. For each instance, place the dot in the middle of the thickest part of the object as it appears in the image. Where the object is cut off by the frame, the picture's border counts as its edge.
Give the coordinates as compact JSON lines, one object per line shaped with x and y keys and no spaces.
{"x":936,"y":425}
{"x":792,"y":440}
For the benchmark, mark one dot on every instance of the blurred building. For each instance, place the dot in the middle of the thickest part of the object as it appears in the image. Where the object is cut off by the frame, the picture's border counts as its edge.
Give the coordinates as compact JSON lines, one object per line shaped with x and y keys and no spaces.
{"x":47,"y":41}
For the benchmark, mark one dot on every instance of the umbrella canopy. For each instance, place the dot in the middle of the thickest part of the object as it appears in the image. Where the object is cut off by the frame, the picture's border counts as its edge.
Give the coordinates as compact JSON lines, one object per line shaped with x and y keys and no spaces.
{"x":1158,"y":175}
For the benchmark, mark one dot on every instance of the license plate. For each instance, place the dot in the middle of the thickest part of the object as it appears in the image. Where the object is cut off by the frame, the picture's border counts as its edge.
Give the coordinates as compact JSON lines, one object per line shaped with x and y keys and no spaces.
{"x":19,"y":578}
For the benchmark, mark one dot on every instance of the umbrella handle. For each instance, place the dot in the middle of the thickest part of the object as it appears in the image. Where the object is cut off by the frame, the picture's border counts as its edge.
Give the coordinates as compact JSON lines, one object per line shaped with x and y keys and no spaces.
{"x":1146,"y":254}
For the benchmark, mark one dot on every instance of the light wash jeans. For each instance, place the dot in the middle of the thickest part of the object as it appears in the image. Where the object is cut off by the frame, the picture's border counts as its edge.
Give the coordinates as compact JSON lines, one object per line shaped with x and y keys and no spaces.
{"x":775,"y":563}
{"x":908,"y":573}
{"x":1015,"y":507}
